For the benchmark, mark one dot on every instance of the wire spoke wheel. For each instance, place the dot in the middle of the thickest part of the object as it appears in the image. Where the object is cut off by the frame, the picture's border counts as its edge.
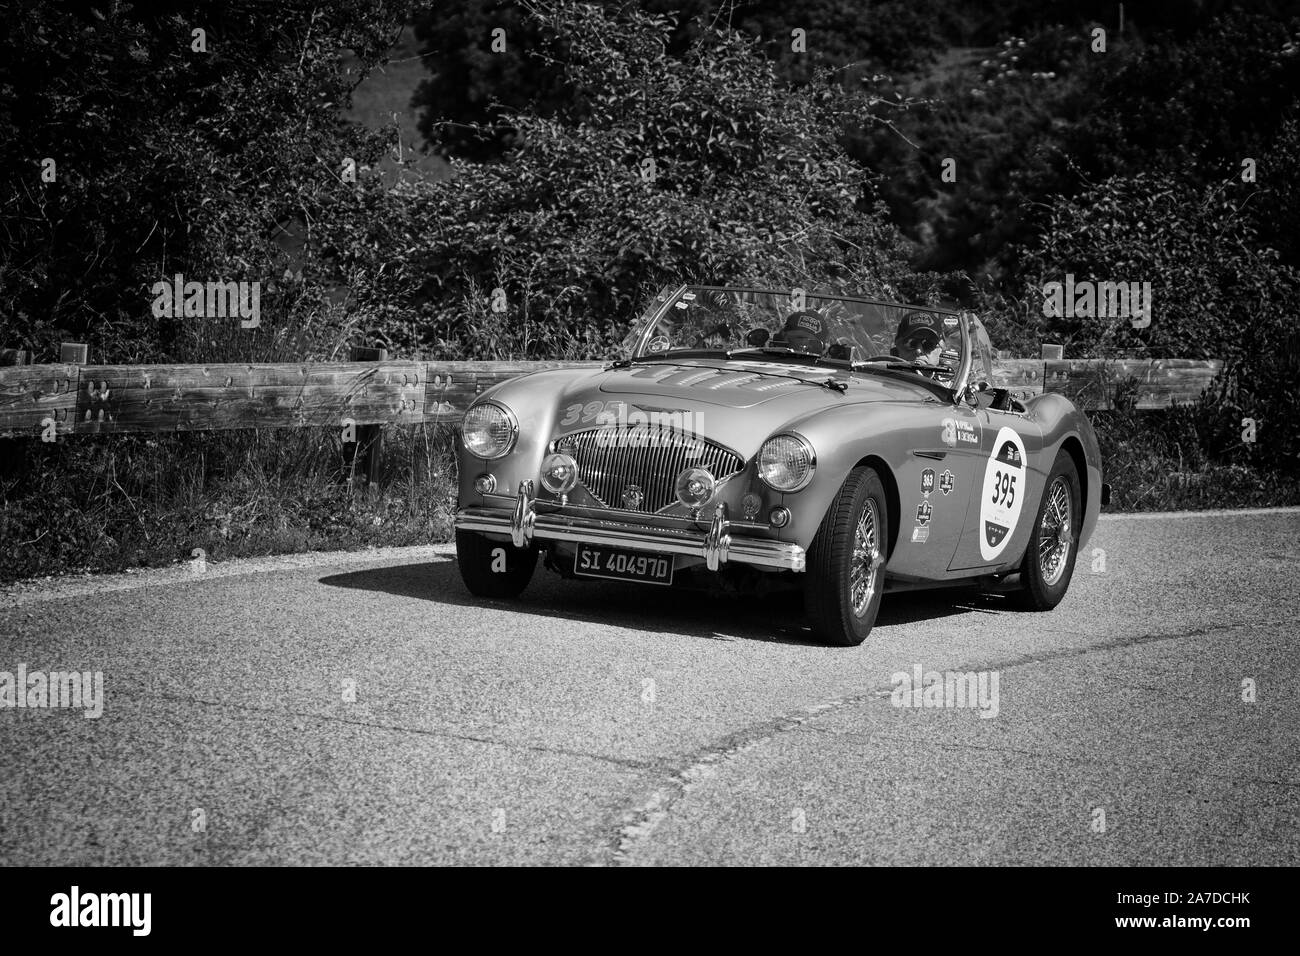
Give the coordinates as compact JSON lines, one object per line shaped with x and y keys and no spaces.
{"x":844,"y":574}
{"x":866,"y":561}
{"x":1054,"y":534}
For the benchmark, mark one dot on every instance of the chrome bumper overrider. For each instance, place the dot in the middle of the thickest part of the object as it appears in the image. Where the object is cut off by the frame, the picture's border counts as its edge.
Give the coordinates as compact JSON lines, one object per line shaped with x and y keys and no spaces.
{"x":717,"y":547}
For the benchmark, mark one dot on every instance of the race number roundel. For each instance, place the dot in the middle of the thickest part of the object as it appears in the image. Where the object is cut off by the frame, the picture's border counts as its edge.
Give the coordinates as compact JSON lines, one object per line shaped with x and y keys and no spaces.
{"x":1004,"y":493}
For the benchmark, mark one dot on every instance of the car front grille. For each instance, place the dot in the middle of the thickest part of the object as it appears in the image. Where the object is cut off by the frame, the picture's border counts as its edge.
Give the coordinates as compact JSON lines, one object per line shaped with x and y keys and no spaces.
{"x":611,"y":460}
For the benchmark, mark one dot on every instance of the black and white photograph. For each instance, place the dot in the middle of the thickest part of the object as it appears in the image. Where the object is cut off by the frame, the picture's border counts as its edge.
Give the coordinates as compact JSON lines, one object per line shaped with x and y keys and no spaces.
{"x":661,"y":433}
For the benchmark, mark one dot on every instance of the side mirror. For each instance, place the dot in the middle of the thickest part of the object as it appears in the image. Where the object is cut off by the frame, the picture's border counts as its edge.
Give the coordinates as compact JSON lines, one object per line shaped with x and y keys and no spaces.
{"x":758,"y":337}
{"x":972,"y":393}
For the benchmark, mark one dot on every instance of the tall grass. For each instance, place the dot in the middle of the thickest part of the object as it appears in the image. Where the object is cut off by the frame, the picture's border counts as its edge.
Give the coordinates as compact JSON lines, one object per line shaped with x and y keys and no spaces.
{"x":115,"y":502}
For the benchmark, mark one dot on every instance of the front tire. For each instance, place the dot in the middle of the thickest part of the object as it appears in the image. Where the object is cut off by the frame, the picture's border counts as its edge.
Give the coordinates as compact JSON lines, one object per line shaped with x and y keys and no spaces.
{"x":1049,"y":558}
{"x":493,"y":569}
{"x":844,"y":575}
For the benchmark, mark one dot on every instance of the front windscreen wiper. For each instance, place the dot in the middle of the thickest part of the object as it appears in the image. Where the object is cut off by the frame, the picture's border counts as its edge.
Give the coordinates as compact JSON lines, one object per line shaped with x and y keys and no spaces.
{"x":667,"y":354}
{"x":890,"y":362}
{"x":815,"y":359}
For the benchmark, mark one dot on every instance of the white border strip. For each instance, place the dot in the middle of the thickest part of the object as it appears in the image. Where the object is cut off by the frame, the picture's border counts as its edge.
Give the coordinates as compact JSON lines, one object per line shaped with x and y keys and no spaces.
{"x":1216,"y":513}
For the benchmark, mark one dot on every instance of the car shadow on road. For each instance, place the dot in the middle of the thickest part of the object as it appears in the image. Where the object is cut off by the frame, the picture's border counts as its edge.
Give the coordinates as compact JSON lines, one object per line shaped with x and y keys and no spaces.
{"x":774,"y":618}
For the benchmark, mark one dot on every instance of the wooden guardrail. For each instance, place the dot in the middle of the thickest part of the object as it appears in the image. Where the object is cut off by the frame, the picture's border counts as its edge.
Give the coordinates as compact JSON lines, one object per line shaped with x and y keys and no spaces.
{"x":45,"y":401}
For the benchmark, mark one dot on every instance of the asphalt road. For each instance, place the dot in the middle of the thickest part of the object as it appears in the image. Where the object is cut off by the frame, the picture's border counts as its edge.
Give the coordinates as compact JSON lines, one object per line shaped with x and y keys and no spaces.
{"x":528,"y":732}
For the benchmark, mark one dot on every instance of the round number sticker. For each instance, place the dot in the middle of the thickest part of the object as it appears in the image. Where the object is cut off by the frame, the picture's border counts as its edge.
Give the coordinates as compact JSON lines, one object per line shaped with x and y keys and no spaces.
{"x":1004,"y":493}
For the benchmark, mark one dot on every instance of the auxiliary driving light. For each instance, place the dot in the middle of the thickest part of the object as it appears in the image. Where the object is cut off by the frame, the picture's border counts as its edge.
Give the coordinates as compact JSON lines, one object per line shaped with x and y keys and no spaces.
{"x":485,"y":484}
{"x":559,"y":474}
{"x":780,"y":517}
{"x":695,"y":486}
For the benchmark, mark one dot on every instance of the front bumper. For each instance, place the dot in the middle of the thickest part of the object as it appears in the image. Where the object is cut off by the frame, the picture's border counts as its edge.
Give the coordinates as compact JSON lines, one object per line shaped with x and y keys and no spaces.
{"x":717,"y":547}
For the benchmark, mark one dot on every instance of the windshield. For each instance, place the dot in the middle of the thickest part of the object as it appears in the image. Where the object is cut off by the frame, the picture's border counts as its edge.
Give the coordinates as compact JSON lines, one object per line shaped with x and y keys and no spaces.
{"x":784,"y":326}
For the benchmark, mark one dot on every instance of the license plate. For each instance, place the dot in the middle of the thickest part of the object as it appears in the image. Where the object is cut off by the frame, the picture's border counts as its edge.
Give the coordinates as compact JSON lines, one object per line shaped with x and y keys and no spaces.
{"x":623,"y":565}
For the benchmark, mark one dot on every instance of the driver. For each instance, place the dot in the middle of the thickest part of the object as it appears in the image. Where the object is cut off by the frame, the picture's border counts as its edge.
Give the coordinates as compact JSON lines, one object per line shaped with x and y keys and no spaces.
{"x":919,"y":339}
{"x":804,"y":331}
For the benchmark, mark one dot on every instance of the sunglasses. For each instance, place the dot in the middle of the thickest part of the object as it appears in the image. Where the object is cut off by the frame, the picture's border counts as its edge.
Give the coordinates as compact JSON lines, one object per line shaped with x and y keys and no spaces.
{"x":921,"y":343}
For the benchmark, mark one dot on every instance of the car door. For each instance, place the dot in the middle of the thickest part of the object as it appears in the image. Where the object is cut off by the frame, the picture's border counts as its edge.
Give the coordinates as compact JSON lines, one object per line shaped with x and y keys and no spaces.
{"x":935,"y":493}
{"x":1004,"y":490}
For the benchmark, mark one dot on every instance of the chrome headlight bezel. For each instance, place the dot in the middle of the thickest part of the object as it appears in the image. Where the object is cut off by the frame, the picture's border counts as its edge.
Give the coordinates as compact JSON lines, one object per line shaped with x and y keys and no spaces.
{"x":804,"y":447}
{"x":507,"y":415}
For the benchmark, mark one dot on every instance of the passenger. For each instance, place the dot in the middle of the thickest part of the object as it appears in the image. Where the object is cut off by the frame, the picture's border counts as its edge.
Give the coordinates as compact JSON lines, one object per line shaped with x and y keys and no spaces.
{"x":803,"y":332}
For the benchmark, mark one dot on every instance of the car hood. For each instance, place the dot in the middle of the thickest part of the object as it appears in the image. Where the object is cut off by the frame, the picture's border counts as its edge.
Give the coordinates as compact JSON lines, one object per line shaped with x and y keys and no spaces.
{"x":736,"y":404}
{"x":735,"y":384}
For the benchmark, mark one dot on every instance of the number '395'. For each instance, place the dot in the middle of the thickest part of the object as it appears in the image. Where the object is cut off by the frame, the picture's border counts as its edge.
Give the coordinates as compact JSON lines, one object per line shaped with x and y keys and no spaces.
{"x":1004,"y":489}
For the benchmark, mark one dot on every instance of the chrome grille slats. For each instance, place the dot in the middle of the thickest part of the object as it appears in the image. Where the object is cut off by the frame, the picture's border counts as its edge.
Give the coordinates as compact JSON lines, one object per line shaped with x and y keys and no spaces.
{"x":677,"y":461}
{"x":606,"y":484}
{"x":587,"y":450}
{"x":650,"y":457}
{"x":638,"y":461}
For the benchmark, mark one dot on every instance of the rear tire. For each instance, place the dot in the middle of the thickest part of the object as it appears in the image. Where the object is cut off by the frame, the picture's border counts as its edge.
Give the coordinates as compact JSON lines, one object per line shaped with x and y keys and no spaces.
{"x":844,"y":575}
{"x":1049,"y":558}
{"x":493,"y":569}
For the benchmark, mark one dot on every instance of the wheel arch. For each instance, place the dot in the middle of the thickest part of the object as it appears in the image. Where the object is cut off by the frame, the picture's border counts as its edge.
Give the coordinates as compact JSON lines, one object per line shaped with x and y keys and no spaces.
{"x":1074,"y":448}
{"x":887,"y":478}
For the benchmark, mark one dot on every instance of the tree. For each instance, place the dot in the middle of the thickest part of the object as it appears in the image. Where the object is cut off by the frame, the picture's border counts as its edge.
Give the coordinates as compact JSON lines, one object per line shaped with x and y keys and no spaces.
{"x":703,"y":166}
{"x":1217,"y":292}
{"x":479,"y":75}
{"x":144,"y":144}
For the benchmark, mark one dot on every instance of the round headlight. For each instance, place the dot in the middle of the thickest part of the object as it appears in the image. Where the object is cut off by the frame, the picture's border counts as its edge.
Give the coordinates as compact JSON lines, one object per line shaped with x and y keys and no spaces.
{"x":559,"y":474}
{"x":786,"y":462}
{"x":488,"y":430}
{"x":695,"y":486}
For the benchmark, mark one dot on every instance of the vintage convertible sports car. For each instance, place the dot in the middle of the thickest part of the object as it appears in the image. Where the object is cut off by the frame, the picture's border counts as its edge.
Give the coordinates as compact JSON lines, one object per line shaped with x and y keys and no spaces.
{"x":854,"y":446}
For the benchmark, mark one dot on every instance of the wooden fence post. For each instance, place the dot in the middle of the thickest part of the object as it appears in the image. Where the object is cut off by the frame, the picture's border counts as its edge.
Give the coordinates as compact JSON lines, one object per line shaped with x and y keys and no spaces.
{"x":13,"y":451}
{"x":365,"y":456}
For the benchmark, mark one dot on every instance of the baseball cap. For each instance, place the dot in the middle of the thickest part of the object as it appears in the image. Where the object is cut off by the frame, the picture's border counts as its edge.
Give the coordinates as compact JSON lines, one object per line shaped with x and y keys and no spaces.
{"x":807,"y":320}
{"x":918,"y":322}
{"x":804,"y":331}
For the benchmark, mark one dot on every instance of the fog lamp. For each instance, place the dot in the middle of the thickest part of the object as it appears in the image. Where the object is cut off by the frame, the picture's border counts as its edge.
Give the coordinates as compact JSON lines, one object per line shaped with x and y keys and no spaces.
{"x":559,"y":474}
{"x":695,"y":487}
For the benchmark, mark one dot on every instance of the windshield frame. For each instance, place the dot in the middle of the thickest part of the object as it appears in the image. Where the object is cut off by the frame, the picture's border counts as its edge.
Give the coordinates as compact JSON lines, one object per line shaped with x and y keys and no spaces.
{"x":636,"y":341}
